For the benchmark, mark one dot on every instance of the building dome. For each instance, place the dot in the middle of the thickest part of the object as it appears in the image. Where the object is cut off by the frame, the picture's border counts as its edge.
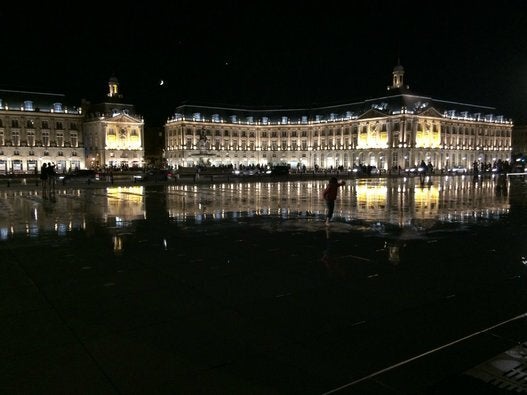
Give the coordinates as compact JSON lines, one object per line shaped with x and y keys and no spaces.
{"x":398,"y":68}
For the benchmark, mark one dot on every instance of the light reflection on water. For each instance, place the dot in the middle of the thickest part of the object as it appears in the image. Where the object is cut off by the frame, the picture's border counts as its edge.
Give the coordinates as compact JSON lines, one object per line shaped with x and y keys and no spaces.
{"x":397,"y":201}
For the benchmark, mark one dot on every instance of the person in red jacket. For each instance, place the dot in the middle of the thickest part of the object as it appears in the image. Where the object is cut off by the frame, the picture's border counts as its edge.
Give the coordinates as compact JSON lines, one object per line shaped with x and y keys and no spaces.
{"x":330,"y":195}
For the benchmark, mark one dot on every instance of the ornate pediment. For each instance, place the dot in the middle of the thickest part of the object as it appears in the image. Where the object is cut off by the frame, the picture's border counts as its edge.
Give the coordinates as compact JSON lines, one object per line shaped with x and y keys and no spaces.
{"x":431,"y":112}
{"x":372,"y":113}
{"x":124,"y":118}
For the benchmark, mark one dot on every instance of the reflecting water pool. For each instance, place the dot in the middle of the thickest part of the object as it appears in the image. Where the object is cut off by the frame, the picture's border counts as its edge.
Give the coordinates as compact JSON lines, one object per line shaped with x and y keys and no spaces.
{"x":397,"y":202}
{"x":234,"y":285}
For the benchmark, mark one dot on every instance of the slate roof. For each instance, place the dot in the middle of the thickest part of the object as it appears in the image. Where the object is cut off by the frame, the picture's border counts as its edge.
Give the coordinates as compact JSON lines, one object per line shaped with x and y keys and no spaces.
{"x":394,"y":102}
{"x":44,"y":102}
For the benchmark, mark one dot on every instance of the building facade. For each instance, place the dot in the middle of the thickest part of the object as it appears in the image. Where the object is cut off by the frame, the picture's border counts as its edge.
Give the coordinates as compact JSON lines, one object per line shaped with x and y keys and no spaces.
{"x":113,"y":132}
{"x":37,"y":128}
{"x":395,"y":131}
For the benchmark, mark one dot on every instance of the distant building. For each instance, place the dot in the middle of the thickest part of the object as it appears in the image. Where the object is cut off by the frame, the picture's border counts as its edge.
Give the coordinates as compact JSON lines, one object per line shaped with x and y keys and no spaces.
{"x":113,"y":132}
{"x":398,"y":130}
{"x":37,"y":128}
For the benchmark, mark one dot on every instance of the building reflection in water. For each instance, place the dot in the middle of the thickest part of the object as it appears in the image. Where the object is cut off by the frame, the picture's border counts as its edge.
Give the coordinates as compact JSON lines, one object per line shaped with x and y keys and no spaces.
{"x":123,"y":205}
{"x":117,"y":242}
{"x":397,"y":201}
{"x":400,"y":201}
{"x":28,"y":212}
{"x":394,"y":251}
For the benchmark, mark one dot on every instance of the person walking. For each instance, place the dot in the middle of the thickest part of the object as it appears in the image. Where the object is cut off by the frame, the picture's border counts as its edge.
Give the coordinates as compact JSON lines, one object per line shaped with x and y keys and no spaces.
{"x":44,"y":176}
{"x":330,"y":195}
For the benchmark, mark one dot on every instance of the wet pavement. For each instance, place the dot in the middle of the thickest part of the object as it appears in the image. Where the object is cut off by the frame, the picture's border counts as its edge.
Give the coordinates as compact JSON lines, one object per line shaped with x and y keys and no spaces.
{"x":239,"y":288}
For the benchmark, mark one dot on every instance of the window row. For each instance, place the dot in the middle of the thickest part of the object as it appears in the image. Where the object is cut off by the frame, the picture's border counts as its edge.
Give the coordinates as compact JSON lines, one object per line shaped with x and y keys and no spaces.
{"x":434,"y":128}
{"x":14,"y":139}
{"x":16,"y":152}
{"x":30,"y":124}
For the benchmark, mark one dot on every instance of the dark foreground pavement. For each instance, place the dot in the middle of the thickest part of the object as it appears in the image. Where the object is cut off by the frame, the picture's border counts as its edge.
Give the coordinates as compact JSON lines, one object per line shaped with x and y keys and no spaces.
{"x":257,"y":305}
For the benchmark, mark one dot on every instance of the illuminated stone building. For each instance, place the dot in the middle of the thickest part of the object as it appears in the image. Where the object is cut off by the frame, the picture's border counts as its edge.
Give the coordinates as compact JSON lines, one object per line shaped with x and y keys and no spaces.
{"x":399,"y":129}
{"x":113,"y":132}
{"x":37,"y":128}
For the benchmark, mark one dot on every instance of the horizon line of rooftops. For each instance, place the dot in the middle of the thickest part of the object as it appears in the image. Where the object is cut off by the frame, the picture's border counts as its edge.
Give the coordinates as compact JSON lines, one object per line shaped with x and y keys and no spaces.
{"x":248,"y":116}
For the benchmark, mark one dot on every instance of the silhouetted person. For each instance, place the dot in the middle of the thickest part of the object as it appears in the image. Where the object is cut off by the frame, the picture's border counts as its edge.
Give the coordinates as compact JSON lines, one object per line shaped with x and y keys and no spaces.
{"x":330,"y":195}
{"x":44,"y":176}
{"x":51,"y":176}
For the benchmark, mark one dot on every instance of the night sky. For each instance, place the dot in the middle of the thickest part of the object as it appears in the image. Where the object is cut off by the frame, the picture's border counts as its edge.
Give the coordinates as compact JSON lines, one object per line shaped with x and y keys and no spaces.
{"x":251,"y":53}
